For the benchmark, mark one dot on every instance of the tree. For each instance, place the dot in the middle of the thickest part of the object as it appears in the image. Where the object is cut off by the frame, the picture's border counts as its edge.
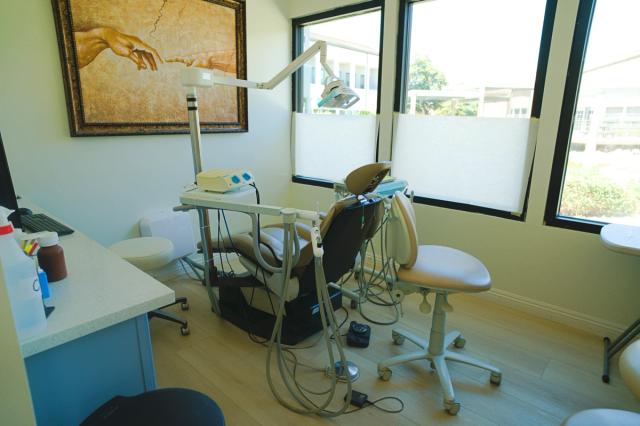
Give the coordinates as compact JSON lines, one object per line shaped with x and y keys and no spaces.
{"x":423,"y":75}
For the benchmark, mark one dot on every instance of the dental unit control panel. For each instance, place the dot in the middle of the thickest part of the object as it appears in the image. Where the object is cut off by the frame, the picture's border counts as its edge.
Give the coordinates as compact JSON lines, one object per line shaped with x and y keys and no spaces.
{"x":223,"y":180}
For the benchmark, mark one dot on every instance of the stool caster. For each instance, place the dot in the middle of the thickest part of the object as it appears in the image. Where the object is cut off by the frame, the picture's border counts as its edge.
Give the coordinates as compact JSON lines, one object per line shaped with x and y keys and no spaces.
{"x":460,"y":342}
{"x":184,"y":306}
{"x":496,"y":379}
{"x":353,"y":304}
{"x":184,"y":330}
{"x":398,"y":339}
{"x":384,"y":374}
{"x":452,"y":407}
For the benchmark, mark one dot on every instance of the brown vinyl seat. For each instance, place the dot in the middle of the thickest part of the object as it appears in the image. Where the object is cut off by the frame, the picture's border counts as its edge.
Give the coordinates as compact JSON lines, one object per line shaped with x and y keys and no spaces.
{"x":348,"y":223}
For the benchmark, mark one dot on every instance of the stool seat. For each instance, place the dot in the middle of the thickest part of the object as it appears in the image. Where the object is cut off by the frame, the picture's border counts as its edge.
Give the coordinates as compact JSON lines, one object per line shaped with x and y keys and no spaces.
{"x":446,"y":268}
{"x":162,"y":407}
{"x":146,"y":253}
{"x":603,"y":417}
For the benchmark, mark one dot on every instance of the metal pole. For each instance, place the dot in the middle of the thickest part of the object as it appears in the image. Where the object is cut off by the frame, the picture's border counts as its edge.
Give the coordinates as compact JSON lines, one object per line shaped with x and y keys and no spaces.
{"x":194,"y":127}
{"x":203,"y":215}
{"x":210,"y":270}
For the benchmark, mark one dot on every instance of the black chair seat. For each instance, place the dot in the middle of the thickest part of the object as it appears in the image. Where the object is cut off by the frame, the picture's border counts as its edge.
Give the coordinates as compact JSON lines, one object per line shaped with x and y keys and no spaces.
{"x":162,"y":407}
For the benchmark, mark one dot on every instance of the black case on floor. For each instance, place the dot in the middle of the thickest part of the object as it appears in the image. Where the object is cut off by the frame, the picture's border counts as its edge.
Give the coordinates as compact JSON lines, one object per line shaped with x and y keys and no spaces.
{"x":358,"y":335}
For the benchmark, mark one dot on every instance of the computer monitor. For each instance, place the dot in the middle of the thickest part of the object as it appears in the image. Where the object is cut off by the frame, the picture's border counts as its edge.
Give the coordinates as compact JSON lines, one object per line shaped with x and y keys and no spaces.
{"x":8,"y":197}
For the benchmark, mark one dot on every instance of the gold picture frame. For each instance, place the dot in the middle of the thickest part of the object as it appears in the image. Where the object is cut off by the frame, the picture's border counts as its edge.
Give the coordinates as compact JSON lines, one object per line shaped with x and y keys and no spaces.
{"x":121,"y":63}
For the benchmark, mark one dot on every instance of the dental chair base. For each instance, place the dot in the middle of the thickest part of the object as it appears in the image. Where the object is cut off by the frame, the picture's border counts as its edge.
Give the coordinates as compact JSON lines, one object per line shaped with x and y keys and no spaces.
{"x":436,"y":351}
{"x":302,"y":317}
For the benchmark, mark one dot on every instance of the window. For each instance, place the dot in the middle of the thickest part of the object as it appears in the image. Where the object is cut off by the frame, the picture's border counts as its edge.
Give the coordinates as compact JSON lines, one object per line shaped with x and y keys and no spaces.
{"x":469,"y":88}
{"x":361,"y":77}
{"x":596,"y":170}
{"x":329,"y":143}
{"x":345,"y":73}
{"x":373,"y":79}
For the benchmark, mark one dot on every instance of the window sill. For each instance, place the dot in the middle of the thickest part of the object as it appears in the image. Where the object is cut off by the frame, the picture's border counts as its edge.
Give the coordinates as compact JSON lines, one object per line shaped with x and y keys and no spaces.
{"x":468,"y":208}
{"x":312,"y":181}
{"x":424,"y":200}
{"x":575,"y":224}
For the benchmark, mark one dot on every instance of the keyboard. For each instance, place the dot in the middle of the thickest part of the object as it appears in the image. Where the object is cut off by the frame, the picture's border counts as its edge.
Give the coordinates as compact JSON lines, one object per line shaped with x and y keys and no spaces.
{"x":41,"y":222}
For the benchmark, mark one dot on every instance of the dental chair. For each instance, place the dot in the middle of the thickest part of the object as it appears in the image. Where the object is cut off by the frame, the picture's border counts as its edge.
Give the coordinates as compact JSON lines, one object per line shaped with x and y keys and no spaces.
{"x":440,"y":270}
{"x":250,"y":301}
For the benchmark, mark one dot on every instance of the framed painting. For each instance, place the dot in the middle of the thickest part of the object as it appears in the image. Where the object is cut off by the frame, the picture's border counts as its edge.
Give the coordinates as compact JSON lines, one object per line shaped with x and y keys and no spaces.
{"x":122,"y":59}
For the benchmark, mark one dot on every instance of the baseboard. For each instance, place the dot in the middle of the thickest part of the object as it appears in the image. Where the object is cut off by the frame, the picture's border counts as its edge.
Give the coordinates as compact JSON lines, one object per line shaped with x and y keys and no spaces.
{"x":551,"y":312}
{"x":578,"y":320}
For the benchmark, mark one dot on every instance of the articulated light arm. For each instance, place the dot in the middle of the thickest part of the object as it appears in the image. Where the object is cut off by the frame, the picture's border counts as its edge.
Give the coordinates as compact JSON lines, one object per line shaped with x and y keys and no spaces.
{"x":318,"y":46}
{"x":200,"y":77}
{"x":335,"y":95}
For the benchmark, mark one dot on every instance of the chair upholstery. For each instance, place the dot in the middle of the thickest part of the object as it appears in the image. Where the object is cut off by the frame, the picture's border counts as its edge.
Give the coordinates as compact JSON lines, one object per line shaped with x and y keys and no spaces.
{"x":630,"y":367}
{"x":432,"y":266}
{"x":359,"y":182}
{"x":344,"y":228}
{"x":146,"y":253}
{"x":441,"y":270}
{"x":162,"y":407}
{"x":445,"y":268}
{"x":630,"y":371}
{"x":603,"y":417}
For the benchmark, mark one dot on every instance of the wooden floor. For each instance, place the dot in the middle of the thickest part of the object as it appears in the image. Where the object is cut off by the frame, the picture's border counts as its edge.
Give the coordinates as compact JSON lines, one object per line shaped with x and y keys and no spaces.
{"x":549,"y":370}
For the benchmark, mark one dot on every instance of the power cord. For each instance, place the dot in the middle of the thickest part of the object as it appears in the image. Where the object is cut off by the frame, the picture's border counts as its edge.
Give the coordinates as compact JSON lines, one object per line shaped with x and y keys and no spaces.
{"x":375,"y":403}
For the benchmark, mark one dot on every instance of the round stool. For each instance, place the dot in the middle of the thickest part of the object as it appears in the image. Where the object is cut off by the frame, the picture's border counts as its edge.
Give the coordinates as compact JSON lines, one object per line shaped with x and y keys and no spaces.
{"x":147,"y":254}
{"x":162,"y":407}
{"x":603,"y":417}
{"x":630,"y":371}
{"x":630,"y":367}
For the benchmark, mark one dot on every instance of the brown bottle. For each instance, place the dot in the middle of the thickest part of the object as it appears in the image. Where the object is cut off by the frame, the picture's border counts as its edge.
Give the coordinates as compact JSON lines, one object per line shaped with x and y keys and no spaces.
{"x":51,"y":257}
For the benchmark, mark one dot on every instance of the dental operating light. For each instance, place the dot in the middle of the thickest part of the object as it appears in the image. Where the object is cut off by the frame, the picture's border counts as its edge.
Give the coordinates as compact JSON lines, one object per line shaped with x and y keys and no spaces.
{"x":335,"y":94}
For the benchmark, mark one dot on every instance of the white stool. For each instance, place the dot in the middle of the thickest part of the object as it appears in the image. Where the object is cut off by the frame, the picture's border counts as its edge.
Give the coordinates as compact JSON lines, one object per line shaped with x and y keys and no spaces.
{"x":630,"y":372}
{"x":147,"y":254}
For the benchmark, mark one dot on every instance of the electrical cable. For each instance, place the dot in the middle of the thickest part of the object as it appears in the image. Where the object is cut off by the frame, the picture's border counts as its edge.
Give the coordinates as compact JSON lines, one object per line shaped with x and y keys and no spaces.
{"x":191,"y":277}
{"x":376,"y":402}
{"x":367,"y":282}
{"x":329,"y":323}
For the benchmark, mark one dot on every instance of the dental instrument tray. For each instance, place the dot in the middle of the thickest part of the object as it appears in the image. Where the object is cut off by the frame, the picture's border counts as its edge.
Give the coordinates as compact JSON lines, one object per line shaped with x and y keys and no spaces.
{"x":223,"y":180}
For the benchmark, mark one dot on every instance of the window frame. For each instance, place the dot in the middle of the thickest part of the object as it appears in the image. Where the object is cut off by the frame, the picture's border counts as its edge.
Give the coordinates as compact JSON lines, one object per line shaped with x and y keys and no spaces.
{"x":297,"y":25}
{"x":582,"y":30}
{"x":402,"y":66}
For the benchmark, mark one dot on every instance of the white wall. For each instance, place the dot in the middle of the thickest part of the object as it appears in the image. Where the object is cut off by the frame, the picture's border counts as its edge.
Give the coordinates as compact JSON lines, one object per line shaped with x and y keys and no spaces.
{"x":568,"y":269}
{"x":103,"y":185}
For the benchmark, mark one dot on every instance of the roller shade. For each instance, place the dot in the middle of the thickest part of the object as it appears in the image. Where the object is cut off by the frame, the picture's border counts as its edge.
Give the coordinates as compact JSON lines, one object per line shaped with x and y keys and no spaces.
{"x":328,"y":146}
{"x":484,"y":162}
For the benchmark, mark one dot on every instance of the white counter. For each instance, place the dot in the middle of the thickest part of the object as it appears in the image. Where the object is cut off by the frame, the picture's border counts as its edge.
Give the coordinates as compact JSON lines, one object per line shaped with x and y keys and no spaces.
{"x":101,"y":290}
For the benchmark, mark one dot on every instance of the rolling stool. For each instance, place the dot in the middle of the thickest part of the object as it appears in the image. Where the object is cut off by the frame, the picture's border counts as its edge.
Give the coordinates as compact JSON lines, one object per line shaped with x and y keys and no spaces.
{"x":162,"y":407}
{"x":630,"y":371}
{"x":147,"y":254}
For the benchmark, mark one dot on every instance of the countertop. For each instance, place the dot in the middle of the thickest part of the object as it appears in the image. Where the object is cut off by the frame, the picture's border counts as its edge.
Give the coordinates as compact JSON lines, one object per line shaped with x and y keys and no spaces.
{"x":101,"y":290}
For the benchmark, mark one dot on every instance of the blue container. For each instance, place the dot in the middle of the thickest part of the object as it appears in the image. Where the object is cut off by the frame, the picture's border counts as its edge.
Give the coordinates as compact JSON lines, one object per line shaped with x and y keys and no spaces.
{"x":44,"y":284}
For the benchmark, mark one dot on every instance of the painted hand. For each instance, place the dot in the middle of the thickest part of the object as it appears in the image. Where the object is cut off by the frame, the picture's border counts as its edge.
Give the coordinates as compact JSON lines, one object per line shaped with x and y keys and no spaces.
{"x":223,"y":60}
{"x":90,"y":43}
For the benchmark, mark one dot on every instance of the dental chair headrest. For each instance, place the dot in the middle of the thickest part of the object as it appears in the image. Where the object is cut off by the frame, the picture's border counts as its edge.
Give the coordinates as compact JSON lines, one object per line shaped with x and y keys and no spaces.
{"x":366,"y":178}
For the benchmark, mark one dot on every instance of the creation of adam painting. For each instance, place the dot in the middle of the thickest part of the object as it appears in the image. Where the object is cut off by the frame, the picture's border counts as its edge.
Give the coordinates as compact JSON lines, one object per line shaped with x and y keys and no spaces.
{"x":122,"y":61}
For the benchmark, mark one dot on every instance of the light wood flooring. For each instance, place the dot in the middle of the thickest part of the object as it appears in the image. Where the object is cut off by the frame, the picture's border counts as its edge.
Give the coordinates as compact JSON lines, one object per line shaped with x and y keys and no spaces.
{"x":549,"y":370}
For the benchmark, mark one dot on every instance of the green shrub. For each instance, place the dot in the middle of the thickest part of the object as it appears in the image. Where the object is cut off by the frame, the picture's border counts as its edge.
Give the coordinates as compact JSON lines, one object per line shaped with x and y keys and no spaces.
{"x":593,"y":195}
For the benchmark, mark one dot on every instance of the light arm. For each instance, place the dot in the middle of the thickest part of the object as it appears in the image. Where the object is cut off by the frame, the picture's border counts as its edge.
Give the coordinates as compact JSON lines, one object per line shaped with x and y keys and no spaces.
{"x":200,"y":77}
{"x":318,"y":46}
